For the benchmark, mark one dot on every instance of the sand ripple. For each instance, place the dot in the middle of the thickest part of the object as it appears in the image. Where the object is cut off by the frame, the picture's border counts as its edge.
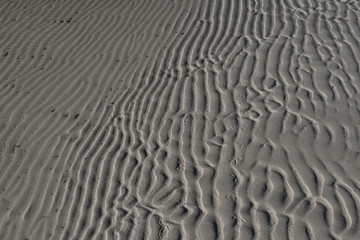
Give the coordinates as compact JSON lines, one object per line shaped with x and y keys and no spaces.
{"x":180,"y":119}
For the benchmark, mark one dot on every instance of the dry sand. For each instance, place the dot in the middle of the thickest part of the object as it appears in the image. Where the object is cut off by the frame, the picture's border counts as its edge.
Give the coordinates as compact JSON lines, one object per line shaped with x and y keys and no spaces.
{"x":159,"y":119}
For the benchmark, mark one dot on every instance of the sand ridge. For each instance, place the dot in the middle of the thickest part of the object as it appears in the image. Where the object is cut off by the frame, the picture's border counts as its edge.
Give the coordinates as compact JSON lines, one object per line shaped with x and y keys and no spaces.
{"x":179,"y":119}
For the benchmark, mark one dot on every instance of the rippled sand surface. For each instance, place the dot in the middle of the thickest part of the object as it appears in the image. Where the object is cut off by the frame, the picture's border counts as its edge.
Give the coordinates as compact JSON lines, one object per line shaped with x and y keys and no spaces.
{"x":182,"y":119}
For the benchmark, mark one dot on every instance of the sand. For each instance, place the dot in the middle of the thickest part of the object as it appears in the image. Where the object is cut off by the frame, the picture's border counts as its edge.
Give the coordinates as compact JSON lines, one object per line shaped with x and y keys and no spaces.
{"x":159,"y":119}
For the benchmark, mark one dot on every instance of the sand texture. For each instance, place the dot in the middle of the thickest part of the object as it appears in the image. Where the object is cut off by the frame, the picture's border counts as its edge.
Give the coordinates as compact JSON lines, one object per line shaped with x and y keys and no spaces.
{"x":180,"y":119}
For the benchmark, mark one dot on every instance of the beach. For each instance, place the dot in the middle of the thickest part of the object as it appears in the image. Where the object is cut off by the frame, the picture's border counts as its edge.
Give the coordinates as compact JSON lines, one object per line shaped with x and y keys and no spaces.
{"x":182,"y":119}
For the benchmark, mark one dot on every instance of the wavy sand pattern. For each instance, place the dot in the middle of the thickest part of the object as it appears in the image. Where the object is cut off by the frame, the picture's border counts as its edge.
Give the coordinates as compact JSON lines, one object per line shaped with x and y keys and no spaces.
{"x":180,"y":119}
